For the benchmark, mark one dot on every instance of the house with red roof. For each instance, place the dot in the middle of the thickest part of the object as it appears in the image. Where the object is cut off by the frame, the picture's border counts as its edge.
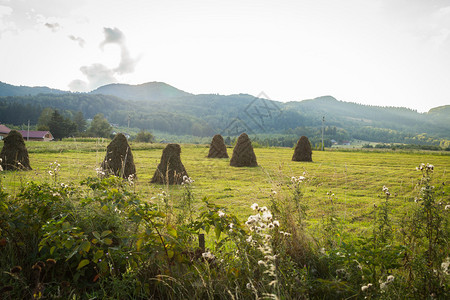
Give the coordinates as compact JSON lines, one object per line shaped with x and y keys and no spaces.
{"x":3,"y":131}
{"x":28,"y":135}
{"x":36,"y":135}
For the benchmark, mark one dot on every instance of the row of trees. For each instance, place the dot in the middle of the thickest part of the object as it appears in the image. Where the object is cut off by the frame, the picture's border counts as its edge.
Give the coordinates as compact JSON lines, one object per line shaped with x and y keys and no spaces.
{"x":63,"y":126}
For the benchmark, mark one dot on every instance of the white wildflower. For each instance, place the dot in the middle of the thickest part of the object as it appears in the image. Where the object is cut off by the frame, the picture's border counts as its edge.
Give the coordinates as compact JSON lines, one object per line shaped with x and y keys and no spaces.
{"x":267,"y":216}
{"x":276,"y":223}
{"x":364,"y":288}
{"x":254,"y":206}
{"x":263,"y":209}
{"x":248,"y":286}
{"x":390,"y":278}
{"x":445,"y":265}
{"x":383,"y":286}
{"x":221,"y":213}
{"x":208,"y":255}
{"x":447,"y":207}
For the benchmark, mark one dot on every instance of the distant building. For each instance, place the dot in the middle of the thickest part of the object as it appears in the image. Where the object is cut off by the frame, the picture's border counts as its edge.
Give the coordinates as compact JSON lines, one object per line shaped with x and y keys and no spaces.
{"x":346,"y":143}
{"x":3,"y":131}
{"x":44,"y":136}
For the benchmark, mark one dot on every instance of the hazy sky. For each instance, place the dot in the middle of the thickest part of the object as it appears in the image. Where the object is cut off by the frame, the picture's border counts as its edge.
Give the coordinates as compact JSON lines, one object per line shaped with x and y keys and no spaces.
{"x":378,"y":52}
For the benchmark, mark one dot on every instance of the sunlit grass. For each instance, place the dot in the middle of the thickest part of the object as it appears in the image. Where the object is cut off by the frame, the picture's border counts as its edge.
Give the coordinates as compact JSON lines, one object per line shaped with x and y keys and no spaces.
{"x":356,"y":178}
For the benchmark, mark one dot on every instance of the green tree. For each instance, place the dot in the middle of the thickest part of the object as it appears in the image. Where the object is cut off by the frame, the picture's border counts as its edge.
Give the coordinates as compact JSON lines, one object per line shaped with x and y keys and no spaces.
{"x":144,"y":137}
{"x":44,"y":118}
{"x":80,"y":121}
{"x":100,"y":127}
{"x":60,"y":127}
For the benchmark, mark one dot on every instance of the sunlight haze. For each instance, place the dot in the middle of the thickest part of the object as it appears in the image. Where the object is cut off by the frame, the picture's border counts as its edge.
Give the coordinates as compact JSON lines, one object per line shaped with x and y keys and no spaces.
{"x":387,"y":53}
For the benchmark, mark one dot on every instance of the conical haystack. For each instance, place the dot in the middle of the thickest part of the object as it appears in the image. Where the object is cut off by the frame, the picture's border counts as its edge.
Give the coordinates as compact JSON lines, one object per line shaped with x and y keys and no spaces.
{"x":170,"y":170}
{"x":303,"y":150}
{"x":14,"y":154}
{"x":243,"y":154}
{"x":119,"y":159}
{"x":217,"y":149}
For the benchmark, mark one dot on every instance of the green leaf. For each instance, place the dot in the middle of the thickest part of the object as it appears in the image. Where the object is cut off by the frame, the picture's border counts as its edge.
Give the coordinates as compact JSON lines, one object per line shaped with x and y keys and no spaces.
{"x":107,"y":241}
{"x":73,"y":253}
{"x":96,"y":235}
{"x":85,"y":246}
{"x":52,"y":249}
{"x":98,"y":255}
{"x":217,"y":231}
{"x":172,"y":231}
{"x":105,"y":233}
{"x":139,"y":244}
{"x":68,"y":244}
{"x":82,"y":263}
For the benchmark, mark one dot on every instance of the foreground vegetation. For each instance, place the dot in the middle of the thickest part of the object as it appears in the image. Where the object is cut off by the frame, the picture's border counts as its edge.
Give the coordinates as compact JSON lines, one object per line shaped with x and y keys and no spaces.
{"x":349,"y":225}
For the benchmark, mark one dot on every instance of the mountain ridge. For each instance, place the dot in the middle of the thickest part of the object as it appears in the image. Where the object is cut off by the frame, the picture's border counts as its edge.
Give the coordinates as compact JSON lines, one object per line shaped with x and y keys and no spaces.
{"x":164,"y":108}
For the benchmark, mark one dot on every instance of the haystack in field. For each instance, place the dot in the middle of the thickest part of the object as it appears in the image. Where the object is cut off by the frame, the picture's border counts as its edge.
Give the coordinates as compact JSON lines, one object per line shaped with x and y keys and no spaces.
{"x":170,"y":170}
{"x":243,"y":154}
{"x":217,"y":149}
{"x":303,"y":150}
{"x":14,"y":154}
{"x":119,"y":159}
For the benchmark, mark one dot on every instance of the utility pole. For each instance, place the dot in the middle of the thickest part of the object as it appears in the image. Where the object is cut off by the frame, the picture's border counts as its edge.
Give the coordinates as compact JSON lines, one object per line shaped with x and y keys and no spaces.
{"x":128,"y":120}
{"x":28,"y":133}
{"x":323,"y":122}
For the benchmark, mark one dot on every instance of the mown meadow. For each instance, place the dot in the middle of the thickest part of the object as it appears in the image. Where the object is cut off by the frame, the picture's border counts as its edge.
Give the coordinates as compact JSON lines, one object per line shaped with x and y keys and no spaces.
{"x":349,"y":225}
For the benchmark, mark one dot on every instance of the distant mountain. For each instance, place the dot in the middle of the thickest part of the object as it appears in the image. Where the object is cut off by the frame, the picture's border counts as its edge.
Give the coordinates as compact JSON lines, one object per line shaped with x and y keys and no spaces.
{"x":440,"y":113}
{"x":12,"y":90}
{"x":150,"y":91}
{"x":157,"y":106}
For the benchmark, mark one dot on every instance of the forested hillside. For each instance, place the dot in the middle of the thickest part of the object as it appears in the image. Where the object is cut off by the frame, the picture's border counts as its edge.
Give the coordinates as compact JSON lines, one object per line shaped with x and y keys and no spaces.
{"x":160,"y":107}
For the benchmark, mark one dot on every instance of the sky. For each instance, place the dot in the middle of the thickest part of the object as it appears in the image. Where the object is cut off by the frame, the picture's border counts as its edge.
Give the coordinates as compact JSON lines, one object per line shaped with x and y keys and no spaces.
{"x":375,"y":52}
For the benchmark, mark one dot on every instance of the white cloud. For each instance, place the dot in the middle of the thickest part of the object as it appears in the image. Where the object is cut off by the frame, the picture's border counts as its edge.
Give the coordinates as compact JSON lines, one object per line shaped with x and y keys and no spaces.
{"x":54,"y":27}
{"x":81,"y":42}
{"x":98,"y":74}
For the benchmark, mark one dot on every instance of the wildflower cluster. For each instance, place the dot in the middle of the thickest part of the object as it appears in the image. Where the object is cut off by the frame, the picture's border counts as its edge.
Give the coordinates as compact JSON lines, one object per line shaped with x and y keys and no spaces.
{"x":262,"y":224}
{"x":262,"y":220}
{"x":365,"y":288}
{"x":425,"y":167}
{"x":445,"y":265}
{"x":384,"y":284}
{"x":130,"y":179}
{"x":298,"y":180}
{"x":386,"y":191}
{"x":187,"y":180}
{"x":100,"y":172}
{"x":54,"y":168}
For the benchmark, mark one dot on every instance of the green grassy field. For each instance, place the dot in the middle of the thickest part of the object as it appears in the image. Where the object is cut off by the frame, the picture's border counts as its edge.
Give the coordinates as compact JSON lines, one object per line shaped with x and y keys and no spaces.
{"x":110,"y":239}
{"x":355,"y":177}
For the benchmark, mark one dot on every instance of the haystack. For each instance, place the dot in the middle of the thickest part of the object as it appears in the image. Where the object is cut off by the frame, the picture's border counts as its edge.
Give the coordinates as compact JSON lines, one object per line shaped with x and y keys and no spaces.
{"x":170,"y":170}
{"x":243,"y":154}
{"x":217,"y":149}
{"x":14,"y":154}
{"x":303,"y":150}
{"x":119,"y":159}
